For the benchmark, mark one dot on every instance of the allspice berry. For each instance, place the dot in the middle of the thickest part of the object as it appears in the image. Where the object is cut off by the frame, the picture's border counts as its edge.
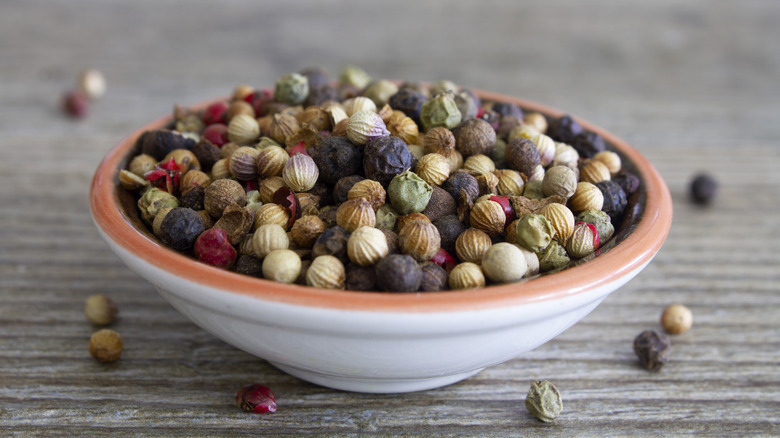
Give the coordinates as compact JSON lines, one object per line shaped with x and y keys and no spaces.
{"x":676,"y":319}
{"x":105,"y":346}
{"x":221,"y":193}
{"x":475,"y":136}
{"x":100,"y":309}
{"x":521,"y":155}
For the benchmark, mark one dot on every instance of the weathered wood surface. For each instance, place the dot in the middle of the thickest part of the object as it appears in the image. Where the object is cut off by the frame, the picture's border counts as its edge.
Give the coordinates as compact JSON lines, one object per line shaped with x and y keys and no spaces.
{"x":693,"y":85}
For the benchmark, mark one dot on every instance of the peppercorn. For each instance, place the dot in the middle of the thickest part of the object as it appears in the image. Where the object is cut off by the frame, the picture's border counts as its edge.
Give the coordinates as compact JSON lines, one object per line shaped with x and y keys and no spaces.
{"x":467,"y":103}
{"x":441,"y":204}
{"x":461,"y":182}
{"x":206,"y":153}
{"x":544,"y":401}
{"x":534,"y":232}
{"x":676,"y":319}
{"x":600,"y":220}
{"x":386,"y":157}
{"x":440,"y":111}
{"x":559,"y":181}
{"x":588,"y":144}
{"x":615,"y":201}
{"x":153,"y":201}
{"x":450,"y":227}
{"x":703,"y":189}
{"x":256,"y":398}
{"x":380,"y":91}
{"x":531,"y":261}
{"x":392,"y":241}
{"x":333,"y":241}
{"x":563,"y":129}
{"x":105,"y":346}
{"x":408,"y":193}
{"x":360,"y":277}
{"x":553,"y":257}
{"x":507,"y":109}
{"x":180,"y":228}
{"x":336,"y":158}
{"x":158,"y":143}
{"x":652,"y":349}
{"x":434,"y":278}
{"x":521,"y":155}
{"x":398,"y":273}
{"x":247,"y":264}
{"x":319,"y":94}
{"x":475,"y":136}
{"x":282,"y":265}
{"x":328,"y":215}
{"x":213,"y":247}
{"x":100,"y":309}
{"x":343,"y":186}
{"x":409,"y":101}
{"x":627,"y":181}
{"x":292,"y":89}
{"x":75,"y":103}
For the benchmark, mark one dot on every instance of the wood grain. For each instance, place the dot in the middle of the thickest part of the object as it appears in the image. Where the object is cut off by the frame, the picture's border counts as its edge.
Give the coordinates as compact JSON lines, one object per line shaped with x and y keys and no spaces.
{"x":692,"y":85}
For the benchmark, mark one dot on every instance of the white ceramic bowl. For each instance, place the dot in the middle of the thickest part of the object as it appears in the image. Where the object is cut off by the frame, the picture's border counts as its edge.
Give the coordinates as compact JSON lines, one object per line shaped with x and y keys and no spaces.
{"x":382,"y":342}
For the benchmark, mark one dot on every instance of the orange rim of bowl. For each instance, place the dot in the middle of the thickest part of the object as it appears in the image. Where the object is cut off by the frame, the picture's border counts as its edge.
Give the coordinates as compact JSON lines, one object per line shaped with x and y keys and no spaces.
{"x":637,"y":249}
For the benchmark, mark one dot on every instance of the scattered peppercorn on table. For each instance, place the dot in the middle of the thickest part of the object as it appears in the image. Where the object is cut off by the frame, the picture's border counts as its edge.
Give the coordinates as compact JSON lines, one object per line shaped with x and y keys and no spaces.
{"x":662,"y":76}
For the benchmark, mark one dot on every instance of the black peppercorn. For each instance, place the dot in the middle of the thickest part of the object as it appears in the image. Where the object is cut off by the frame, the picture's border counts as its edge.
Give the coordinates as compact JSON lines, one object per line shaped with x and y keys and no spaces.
{"x":328,"y":215}
{"x":588,"y":144}
{"x":563,"y":129}
{"x":332,"y":241}
{"x":521,"y":155}
{"x":323,"y":192}
{"x":193,"y":198}
{"x":441,"y":204}
{"x":160,"y":142}
{"x":360,"y":277}
{"x":249,"y":265}
{"x":321,"y":94}
{"x":316,"y":76}
{"x":614,"y":200}
{"x":180,"y":228}
{"x":493,"y":118}
{"x":342,"y":187}
{"x":398,"y":273}
{"x":434,"y":278}
{"x":336,"y":157}
{"x":206,"y":153}
{"x":703,"y":189}
{"x":461,"y":180}
{"x":627,"y":181}
{"x":450,"y":227}
{"x":505,"y":125}
{"x":652,"y":349}
{"x":507,"y":109}
{"x":409,"y":101}
{"x":386,"y":157}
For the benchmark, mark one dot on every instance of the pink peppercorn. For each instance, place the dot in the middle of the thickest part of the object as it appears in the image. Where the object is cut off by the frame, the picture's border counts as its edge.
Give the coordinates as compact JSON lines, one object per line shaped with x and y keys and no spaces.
{"x":216,"y":134}
{"x":256,"y":398}
{"x":215,"y":113}
{"x":213,"y":247}
{"x":509,"y":212}
{"x":444,"y":259}
{"x":75,"y":104}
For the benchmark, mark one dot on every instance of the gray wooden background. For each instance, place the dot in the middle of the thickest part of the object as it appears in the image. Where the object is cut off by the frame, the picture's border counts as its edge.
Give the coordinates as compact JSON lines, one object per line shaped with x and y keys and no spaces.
{"x":694,"y":85}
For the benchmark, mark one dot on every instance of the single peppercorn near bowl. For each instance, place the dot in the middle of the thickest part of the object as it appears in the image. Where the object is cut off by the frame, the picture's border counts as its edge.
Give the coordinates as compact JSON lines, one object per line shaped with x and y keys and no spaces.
{"x":383,"y":342}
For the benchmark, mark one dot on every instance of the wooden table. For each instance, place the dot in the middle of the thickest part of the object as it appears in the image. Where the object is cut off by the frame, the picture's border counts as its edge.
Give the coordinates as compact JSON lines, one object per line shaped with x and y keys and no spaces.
{"x":695,"y":86}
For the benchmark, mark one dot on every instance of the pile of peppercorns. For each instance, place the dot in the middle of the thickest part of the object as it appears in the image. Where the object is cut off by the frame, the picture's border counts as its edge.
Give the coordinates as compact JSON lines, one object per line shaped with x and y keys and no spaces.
{"x":370,"y":185}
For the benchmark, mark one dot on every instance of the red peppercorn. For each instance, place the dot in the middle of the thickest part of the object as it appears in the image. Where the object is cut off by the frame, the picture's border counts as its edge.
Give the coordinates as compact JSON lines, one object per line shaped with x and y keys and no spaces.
{"x":595,"y":234}
{"x":216,"y":134}
{"x":444,"y":259}
{"x":75,"y":104}
{"x":213,"y":247}
{"x":299,"y":148}
{"x":256,"y":398}
{"x":215,"y":113}
{"x":509,"y":212}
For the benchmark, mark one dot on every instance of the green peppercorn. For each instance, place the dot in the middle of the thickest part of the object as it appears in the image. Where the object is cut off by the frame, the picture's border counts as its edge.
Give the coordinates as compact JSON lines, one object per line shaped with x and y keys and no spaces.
{"x":440,"y":111}
{"x":408,"y":193}
{"x":153,"y":201}
{"x":292,"y":89}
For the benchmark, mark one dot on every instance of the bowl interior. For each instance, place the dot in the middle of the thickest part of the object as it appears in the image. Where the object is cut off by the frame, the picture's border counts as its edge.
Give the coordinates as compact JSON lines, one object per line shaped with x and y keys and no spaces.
{"x":637,"y":239}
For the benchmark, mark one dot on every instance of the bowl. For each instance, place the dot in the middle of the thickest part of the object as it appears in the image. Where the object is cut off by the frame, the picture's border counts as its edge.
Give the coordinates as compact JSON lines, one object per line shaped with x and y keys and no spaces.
{"x":383,"y":342}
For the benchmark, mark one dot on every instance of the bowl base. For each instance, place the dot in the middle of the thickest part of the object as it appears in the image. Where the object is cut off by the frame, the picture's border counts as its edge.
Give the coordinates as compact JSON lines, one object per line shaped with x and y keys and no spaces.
{"x":374,"y":386}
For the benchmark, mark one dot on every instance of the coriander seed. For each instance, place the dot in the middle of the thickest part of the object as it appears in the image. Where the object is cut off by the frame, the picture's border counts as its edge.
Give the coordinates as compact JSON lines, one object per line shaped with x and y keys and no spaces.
{"x":366,"y":246}
{"x":326,"y":272}
{"x":100,"y":309}
{"x":105,"y":346}
{"x":676,"y":319}
{"x":466,"y":275}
